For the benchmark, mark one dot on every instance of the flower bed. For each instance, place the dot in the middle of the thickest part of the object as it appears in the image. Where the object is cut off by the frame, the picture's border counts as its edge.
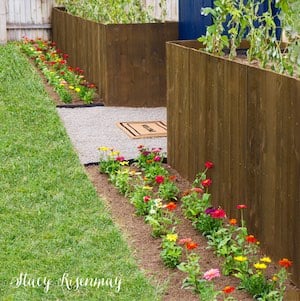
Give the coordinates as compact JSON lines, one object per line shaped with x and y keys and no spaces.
{"x":68,"y":82}
{"x":142,"y":183}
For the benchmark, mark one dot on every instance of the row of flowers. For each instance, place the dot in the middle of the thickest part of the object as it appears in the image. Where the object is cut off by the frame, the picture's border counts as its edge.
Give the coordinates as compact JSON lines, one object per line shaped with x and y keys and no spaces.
{"x":66,"y":80}
{"x":154,"y":194}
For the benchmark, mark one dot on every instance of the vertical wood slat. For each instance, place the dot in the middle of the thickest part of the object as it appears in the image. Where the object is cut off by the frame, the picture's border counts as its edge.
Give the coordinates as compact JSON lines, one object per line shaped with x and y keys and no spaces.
{"x":3,"y":33}
{"x":131,"y":57}
{"x":246,"y":120}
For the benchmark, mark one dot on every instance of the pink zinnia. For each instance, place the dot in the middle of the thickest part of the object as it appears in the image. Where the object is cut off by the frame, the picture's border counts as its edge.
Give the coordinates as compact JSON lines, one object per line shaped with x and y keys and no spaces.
{"x":183,"y":241}
{"x":242,"y":206}
{"x":157,"y":159}
{"x":211,"y":274}
{"x":197,"y":189}
{"x":120,"y":158}
{"x":147,"y":198}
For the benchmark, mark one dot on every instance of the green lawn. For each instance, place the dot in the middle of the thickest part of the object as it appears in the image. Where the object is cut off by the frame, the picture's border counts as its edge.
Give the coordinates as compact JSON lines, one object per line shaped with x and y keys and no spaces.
{"x":52,"y":221}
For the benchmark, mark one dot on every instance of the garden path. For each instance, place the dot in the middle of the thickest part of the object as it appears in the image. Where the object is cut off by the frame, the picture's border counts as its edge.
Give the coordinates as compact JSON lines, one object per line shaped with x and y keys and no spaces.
{"x":90,"y":128}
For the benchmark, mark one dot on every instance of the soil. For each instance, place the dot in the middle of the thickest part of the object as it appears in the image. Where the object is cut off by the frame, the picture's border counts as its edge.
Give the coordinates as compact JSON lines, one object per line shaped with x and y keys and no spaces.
{"x":145,"y":248}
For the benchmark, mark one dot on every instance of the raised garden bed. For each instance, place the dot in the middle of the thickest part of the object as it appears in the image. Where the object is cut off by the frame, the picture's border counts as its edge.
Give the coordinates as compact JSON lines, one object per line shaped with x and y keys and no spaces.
{"x":125,"y":61}
{"x":246,"y":120}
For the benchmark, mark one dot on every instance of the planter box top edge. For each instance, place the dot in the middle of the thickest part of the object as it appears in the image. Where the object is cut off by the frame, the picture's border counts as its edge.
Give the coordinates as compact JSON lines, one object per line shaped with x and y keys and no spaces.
{"x":62,"y":9}
{"x":196,"y":46}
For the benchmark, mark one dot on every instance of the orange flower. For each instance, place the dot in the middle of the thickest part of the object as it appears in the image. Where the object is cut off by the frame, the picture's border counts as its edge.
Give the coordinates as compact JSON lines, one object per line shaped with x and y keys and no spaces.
{"x":172,"y":178}
{"x":284,"y":262}
{"x":251,"y":239}
{"x":186,"y":192}
{"x":228,"y":289}
{"x":191,"y":245}
{"x":171,"y":206}
{"x":233,"y":221}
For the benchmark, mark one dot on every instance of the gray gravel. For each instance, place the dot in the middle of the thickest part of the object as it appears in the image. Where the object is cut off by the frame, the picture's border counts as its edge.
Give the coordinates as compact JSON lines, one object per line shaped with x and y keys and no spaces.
{"x":90,"y":128}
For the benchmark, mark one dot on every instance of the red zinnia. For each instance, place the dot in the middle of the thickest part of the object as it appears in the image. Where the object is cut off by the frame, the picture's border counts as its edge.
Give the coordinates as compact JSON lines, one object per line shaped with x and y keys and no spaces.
{"x":206,"y":182}
{"x":159,"y":179}
{"x":228,"y":289}
{"x":241,"y":206}
{"x":147,"y":198}
{"x":171,"y":206}
{"x":209,"y":164}
{"x":284,"y":262}
{"x":191,"y":245}
{"x":218,"y":213}
{"x":251,"y":239}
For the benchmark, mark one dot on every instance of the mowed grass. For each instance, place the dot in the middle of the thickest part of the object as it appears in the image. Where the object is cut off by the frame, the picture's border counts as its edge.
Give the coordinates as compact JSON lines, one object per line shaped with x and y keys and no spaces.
{"x":52,"y":221}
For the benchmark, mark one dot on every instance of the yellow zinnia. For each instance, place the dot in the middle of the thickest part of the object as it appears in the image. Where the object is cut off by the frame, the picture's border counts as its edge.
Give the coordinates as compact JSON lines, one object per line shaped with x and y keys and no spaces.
{"x":77,"y":90}
{"x":123,"y":163}
{"x":260,"y":266}
{"x":240,"y":258}
{"x":172,"y":237}
{"x":147,"y":187}
{"x":103,"y":148}
{"x":266,"y":259}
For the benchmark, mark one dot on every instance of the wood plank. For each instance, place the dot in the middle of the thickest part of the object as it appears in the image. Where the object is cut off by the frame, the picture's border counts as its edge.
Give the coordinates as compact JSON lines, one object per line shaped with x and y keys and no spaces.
{"x":3,"y":32}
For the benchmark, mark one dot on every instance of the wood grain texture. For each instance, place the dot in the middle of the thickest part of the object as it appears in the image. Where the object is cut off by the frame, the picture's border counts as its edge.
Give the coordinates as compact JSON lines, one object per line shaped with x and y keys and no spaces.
{"x":127,"y":62}
{"x":245,"y":120}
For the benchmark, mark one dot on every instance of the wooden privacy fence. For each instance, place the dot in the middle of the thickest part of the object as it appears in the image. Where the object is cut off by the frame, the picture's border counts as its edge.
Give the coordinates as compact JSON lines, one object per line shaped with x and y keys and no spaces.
{"x":31,"y":18}
{"x":246,"y":120}
{"x":125,"y":61}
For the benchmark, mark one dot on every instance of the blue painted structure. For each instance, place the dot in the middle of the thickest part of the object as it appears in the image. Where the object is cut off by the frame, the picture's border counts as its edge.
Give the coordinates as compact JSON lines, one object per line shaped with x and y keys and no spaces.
{"x":192,"y":24}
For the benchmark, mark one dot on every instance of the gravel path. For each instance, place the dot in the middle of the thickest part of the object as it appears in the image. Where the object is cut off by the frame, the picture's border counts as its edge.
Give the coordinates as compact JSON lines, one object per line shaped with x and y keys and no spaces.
{"x":92,"y":127}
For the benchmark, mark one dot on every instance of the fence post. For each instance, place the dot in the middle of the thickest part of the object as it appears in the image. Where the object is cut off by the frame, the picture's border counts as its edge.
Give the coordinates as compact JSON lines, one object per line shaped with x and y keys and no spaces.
{"x":3,"y":31}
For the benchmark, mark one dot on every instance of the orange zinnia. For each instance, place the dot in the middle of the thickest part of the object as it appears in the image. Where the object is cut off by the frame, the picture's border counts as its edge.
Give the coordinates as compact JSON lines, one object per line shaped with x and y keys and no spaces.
{"x":191,"y":245}
{"x":228,"y":289}
{"x":171,"y":206}
{"x":284,"y":262}
{"x":233,"y":221}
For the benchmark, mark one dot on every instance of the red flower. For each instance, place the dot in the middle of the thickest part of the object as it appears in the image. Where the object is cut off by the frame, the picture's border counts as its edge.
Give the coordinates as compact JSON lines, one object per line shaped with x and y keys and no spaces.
{"x":140,"y":146}
{"x":147,"y":198}
{"x":284,"y":262}
{"x":120,"y":158}
{"x":206,"y":182}
{"x":218,"y":213}
{"x":228,"y":289}
{"x":191,"y":245}
{"x":159,"y":179}
{"x":171,"y":206}
{"x":241,"y":206}
{"x":209,"y":164}
{"x":65,"y":56}
{"x":251,"y":239}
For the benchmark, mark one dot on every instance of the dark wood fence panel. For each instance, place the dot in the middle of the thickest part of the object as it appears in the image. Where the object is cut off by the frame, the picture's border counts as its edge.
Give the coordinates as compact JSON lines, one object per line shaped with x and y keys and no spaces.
{"x":125,"y":61}
{"x":245,"y":120}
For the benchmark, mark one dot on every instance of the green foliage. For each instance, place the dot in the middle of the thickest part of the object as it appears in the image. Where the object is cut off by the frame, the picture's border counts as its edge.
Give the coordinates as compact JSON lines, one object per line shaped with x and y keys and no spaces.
{"x":171,"y":253}
{"x":112,"y":11}
{"x":259,"y":30}
{"x":168,"y":191}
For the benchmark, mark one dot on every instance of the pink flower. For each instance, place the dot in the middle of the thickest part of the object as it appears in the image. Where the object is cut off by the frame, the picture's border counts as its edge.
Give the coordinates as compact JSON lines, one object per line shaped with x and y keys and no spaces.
{"x":242,"y":206}
{"x":197,"y":189}
{"x":211,"y":274}
{"x":184,"y":241}
{"x":159,"y":179}
{"x":156,"y":150}
{"x":120,"y":158}
{"x":157,"y":159}
{"x":209,"y":164}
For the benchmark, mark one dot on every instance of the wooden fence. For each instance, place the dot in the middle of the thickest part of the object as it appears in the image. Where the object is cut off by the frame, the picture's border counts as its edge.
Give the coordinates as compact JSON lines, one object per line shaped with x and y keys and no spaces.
{"x":172,"y":9}
{"x":125,"y":61}
{"x":246,"y":120}
{"x":31,"y":18}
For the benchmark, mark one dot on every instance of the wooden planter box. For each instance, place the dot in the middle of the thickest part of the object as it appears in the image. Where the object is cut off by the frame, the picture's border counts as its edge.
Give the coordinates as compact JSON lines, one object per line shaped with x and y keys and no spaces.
{"x":247,"y":121}
{"x":125,"y":61}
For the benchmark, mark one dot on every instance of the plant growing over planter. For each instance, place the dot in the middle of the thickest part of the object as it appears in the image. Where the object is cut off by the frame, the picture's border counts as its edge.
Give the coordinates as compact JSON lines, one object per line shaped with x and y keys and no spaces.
{"x":260,"y":30}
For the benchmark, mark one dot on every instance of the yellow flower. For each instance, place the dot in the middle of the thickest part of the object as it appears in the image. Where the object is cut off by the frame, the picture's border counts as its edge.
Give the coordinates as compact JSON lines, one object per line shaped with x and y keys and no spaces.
{"x":147,"y":187}
{"x":240,"y":258}
{"x":266,"y":259}
{"x":77,"y":90}
{"x":123,"y":163}
{"x":115,"y":153}
{"x":103,"y":148}
{"x":260,"y":266}
{"x":158,"y":203}
{"x":275,"y":278}
{"x":172,"y":237}
{"x":71,"y":87}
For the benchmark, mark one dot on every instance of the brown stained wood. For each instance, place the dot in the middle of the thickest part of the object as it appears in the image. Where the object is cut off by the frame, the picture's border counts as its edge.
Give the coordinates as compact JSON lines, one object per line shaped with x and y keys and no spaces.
{"x":128,"y":61}
{"x":246,"y":120}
